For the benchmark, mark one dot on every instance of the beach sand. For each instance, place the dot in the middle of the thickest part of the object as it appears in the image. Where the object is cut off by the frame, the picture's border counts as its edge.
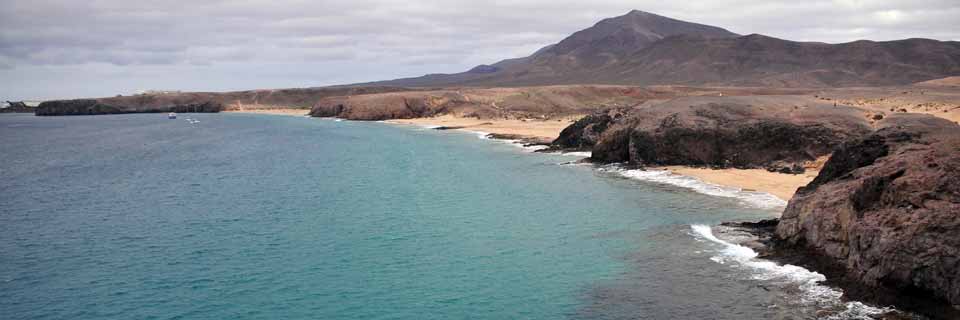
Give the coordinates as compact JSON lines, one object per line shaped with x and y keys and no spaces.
{"x":778,"y":184}
{"x":540,"y":130}
{"x":278,"y":111}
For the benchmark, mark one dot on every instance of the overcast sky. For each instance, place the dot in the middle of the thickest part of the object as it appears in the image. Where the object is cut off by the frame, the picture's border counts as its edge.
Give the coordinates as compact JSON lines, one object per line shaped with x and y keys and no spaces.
{"x":71,"y":48}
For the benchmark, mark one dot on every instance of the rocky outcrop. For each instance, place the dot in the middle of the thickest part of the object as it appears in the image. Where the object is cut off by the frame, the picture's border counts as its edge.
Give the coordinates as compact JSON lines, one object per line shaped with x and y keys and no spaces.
{"x":17,"y":107}
{"x":886,"y":206}
{"x":741,"y":132}
{"x":585,"y":133}
{"x":380,"y":107}
{"x":94,"y":107}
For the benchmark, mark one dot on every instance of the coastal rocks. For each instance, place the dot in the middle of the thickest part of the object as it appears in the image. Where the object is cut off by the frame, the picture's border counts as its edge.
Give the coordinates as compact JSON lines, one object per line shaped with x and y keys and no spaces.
{"x":743,"y":132}
{"x":886,"y":206}
{"x":585,"y":133}
{"x":380,"y":107}
{"x":94,"y":107}
{"x":17,"y":107}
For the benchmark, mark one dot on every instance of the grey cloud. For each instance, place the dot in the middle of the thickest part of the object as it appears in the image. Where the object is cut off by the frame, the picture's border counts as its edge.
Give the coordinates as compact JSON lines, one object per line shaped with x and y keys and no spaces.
{"x":187,"y":44}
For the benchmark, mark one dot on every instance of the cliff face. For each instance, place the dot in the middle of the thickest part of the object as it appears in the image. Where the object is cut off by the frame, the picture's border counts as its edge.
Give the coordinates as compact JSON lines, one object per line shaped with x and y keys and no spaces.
{"x":94,"y":107}
{"x":585,"y":133}
{"x":744,"y":132}
{"x":887,"y":206}
{"x":381,"y":107}
{"x":488,"y":103}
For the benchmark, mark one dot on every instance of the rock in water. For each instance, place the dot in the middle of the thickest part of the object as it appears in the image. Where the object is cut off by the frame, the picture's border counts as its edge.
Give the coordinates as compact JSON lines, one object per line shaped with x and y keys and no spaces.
{"x":887,"y":206}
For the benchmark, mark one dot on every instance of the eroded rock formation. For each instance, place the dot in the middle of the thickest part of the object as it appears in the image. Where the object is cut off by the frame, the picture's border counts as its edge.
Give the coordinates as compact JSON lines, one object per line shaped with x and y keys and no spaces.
{"x":887,"y":206}
{"x":741,"y":132}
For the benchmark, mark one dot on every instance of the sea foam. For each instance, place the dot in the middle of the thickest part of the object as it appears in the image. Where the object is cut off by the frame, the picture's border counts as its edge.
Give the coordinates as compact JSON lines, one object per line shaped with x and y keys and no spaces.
{"x":761,"y":200}
{"x":813,"y":292}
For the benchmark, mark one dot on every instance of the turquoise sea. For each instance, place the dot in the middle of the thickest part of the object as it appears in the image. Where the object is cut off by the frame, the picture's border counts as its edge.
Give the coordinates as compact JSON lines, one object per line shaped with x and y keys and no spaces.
{"x":279,"y":217}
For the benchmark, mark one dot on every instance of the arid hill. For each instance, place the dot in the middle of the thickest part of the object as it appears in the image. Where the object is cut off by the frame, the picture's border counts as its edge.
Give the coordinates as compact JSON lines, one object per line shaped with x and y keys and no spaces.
{"x":642,"y":48}
{"x":547,"y":102}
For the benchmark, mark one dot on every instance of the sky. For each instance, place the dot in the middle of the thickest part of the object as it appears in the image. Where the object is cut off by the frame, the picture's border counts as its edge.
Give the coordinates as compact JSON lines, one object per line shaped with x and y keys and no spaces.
{"x":53,"y":49}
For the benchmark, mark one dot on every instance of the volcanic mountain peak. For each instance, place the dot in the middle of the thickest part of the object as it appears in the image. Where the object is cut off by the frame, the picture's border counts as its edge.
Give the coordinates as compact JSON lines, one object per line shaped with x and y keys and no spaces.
{"x":633,"y":31}
{"x":642,"y":48}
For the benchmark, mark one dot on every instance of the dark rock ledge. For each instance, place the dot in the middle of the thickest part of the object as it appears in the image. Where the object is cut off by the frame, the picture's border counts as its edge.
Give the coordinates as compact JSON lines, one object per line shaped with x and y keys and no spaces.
{"x":882,"y":219}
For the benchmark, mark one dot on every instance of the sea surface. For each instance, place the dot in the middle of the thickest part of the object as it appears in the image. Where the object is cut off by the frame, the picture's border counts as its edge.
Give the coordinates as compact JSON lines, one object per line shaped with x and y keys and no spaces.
{"x":236,"y":216}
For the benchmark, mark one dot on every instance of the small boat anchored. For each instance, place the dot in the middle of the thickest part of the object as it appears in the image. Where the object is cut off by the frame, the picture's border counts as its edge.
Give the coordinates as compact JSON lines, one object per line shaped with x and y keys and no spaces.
{"x":172,"y":115}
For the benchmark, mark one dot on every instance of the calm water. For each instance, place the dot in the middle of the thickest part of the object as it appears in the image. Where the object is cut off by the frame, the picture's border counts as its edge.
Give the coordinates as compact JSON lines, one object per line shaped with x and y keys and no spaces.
{"x":276,"y":217}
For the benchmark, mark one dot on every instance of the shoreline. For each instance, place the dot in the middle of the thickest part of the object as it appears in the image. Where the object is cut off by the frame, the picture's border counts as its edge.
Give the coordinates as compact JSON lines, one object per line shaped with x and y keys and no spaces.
{"x":779,"y":185}
{"x":533,"y":130}
{"x":277,"y":111}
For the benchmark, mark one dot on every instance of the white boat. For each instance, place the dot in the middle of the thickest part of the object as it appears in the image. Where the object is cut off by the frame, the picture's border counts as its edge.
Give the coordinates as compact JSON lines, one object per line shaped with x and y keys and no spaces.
{"x":172,"y":115}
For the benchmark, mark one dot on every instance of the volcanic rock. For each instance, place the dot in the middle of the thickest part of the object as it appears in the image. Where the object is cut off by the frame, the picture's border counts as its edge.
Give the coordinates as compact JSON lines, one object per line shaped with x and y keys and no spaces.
{"x":887,"y":207}
{"x":743,"y":132}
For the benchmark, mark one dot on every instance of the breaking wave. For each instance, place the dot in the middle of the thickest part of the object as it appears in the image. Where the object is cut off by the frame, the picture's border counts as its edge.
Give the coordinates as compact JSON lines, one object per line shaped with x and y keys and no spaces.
{"x":753,"y":198}
{"x":808,"y":282}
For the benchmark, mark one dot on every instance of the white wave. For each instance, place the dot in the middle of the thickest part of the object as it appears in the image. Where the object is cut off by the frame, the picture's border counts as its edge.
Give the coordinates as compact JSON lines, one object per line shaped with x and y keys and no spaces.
{"x":583,"y":154}
{"x":809,"y":282}
{"x":482,"y":135}
{"x":754,"y":198}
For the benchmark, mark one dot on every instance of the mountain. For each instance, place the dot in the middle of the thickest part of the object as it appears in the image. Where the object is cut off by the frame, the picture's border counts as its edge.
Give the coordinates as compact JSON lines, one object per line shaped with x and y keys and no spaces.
{"x":642,"y":48}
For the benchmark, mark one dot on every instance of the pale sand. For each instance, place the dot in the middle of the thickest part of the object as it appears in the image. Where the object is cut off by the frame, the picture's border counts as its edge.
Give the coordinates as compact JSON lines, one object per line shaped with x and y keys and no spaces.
{"x":278,"y":111}
{"x":541,"y":130}
{"x":778,"y":184}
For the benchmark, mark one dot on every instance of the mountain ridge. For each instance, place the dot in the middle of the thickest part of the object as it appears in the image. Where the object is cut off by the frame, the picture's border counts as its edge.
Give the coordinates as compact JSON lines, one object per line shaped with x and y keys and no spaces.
{"x":642,"y":48}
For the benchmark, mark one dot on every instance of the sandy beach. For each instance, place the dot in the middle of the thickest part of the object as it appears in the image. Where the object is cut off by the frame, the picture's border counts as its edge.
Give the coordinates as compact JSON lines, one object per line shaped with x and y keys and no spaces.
{"x":277,"y":111}
{"x":778,"y":184}
{"x":543,"y":131}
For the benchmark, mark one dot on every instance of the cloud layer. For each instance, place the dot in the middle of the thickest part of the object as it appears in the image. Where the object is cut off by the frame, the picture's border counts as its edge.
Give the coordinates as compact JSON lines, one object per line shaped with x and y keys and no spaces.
{"x":64,"y":48}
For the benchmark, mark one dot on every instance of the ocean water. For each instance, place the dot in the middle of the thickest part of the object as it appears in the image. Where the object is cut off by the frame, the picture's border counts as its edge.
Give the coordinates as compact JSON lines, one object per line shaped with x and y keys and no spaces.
{"x":239,"y":216}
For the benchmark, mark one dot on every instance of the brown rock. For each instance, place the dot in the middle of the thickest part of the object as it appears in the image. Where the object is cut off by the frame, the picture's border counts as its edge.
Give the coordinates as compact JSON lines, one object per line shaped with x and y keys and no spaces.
{"x":887,"y":207}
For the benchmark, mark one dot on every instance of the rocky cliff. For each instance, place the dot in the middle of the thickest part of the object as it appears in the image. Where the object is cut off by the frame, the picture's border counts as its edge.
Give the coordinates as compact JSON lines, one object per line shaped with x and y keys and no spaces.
{"x":487,"y":103}
{"x":776,"y":132}
{"x":94,"y":107}
{"x":887,"y":207}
